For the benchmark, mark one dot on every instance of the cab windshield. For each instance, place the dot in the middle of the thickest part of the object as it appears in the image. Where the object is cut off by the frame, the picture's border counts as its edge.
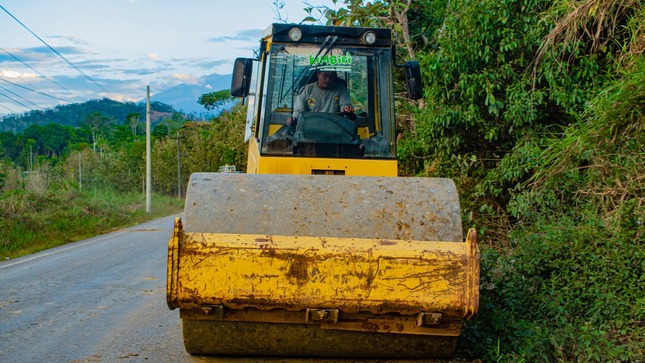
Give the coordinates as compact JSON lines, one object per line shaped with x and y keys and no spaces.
{"x":328,"y":102}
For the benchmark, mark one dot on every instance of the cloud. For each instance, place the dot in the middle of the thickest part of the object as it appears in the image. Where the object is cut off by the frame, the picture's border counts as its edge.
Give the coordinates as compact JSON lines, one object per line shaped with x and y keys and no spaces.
{"x":7,"y":73}
{"x":185,"y":78}
{"x":249,"y":35}
{"x":73,"y":40}
{"x":139,"y":72}
{"x":93,"y":65}
{"x":205,"y":63}
{"x":37,"y":54}
{"x":152,"y":56}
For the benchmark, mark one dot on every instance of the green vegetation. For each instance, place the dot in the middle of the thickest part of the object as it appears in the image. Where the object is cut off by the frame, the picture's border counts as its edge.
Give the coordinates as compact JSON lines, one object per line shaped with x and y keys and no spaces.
{"x":75,"y":114}
{"x":536,"y":109}
{"x":63,"y":183}
{"x":31,"y":222}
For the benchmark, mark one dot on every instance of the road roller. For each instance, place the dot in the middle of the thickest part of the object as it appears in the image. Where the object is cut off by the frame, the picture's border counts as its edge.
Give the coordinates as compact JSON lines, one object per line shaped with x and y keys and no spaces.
{"x":320,"y":249}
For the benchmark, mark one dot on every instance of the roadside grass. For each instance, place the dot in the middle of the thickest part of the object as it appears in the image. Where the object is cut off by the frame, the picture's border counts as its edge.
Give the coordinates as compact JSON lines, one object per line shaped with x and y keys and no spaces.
{"x":570,"y":290}
{"x":31,"y":222}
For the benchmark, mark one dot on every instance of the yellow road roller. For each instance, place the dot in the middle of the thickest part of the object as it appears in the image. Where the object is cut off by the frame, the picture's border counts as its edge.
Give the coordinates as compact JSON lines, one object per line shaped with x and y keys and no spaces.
{"x":320,"y":249}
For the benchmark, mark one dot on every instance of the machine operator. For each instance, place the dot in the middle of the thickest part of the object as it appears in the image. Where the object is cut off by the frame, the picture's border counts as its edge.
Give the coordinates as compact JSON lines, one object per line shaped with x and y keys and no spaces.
{"x":328,"y":94}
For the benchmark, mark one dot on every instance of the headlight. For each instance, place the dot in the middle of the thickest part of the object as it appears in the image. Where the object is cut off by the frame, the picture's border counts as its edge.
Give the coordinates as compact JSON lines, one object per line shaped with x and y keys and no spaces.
{"x":369,"y":37}
{"x":295,"y":34}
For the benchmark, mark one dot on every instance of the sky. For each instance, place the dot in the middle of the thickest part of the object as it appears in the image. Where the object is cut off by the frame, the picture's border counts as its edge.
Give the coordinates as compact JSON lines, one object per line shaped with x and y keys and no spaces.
{"x":116,"y":48}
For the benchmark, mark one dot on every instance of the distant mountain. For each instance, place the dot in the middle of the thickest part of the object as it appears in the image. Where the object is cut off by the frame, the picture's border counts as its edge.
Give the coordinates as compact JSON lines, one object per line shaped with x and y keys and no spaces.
{"x":183,"y":97}
{"x":74,"y":114}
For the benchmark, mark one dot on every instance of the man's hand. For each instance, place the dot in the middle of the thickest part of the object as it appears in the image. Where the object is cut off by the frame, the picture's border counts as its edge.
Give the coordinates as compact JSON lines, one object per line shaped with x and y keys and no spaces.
{"x":348,"y":108}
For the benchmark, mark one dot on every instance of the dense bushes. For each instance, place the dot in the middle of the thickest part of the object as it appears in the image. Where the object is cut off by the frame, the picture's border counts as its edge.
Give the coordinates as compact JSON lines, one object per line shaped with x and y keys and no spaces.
{"x":535,"y":108}
{"x":573,"y":279}
{"x":569,"y":290}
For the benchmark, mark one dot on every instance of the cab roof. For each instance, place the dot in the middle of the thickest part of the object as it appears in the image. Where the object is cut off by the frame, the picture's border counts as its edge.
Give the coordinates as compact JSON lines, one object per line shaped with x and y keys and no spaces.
{"x":317,"y":34}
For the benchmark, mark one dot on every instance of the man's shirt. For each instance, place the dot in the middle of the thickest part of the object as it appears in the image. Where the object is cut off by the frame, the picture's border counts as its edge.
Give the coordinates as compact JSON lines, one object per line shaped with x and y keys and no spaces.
{"x":314,"y":99}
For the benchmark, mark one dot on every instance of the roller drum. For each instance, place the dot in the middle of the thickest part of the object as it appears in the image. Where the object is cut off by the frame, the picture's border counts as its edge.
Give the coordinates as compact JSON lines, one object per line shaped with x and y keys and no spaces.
{"x":324,"y":206}
{"x":383,"y":208}
{"x":296,"y":340}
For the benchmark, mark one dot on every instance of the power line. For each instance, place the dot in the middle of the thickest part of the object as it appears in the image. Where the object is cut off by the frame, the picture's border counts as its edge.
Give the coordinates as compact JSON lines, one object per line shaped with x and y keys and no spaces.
{"x":27,"y":107}
{"x":33,"y":90}
{"x":10,"y":110}
{"x":14,"y":101}
{"x":57,"y":53}
{"x":19,"y":96}
{"x":18,"y":76}
{"x":33,"y":69}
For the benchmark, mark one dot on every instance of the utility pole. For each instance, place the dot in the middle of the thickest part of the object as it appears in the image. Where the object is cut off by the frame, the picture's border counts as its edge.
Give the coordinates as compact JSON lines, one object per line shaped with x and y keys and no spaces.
{"x":178,"y":165}
{"x":148,"y":157}
{"x":80,"y":173}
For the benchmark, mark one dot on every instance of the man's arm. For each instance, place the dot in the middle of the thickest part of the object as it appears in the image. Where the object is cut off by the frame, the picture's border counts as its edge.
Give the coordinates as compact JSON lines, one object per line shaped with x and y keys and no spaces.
{"x":298,"y":108}
{"x":345,"y":101}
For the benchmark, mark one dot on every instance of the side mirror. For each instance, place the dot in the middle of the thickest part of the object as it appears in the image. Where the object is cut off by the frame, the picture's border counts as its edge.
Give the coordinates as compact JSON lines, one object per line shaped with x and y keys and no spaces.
{"x":241,"y":82}
{"x":413,"y":79}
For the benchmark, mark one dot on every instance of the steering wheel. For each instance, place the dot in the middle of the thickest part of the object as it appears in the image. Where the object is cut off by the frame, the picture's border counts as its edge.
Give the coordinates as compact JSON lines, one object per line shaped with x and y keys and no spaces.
{"x":347,"y":115}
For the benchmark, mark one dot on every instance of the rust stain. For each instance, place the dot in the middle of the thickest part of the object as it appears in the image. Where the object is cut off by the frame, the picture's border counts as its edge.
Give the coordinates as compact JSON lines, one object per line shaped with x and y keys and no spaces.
{"x":404,"y":228}
{"x":265,"y":240}
{"x":369,"y":326}
{"x":267,"y":250}
{"x":298,"y":268}
{"x":371,"y":275}
{"x":387,"y":243}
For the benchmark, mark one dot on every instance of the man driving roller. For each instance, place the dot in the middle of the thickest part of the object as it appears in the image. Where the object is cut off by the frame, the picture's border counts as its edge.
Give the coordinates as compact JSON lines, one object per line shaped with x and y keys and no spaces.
{"x":328,"y":94}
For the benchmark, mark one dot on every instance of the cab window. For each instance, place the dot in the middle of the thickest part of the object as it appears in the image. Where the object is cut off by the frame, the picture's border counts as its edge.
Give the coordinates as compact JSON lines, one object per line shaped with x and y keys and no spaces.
{"x":302,"y":119}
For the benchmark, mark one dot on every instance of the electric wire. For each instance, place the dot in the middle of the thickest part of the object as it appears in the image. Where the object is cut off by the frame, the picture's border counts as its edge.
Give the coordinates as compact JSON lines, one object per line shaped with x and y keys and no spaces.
{"x":7,"y":108}
{"x":14,"y":101}
{"x":33,"y":90}
{"x":22,"y":98}
{"x":101,"y":87}
{"x":18,"y":76}
{"x":30,"y":109}
{"x":33,"y":69}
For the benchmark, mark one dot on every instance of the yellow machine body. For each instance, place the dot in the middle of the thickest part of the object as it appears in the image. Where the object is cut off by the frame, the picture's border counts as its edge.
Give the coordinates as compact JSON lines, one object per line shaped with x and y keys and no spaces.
{"x":322,"y":166}
{"x":352,"y":275}
{"x":319,"y":249}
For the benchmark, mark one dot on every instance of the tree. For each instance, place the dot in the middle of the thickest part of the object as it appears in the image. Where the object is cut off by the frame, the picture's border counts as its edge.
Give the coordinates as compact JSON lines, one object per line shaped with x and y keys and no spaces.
{"x":9,"y":150}
{"x":96,"y":123}
{"x":55,"y":138}
{"x":160,"y":130}
{"x":215,"y":100}
{"x":133,"y":119}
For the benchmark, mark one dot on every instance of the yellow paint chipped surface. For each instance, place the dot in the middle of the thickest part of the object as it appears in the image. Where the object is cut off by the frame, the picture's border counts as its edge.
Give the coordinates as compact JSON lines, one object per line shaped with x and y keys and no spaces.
{"x":294,"y":273}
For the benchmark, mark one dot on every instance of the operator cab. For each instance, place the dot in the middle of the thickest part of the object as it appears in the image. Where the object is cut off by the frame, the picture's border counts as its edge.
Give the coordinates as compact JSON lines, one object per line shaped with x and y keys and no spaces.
{"x":290,"y":56}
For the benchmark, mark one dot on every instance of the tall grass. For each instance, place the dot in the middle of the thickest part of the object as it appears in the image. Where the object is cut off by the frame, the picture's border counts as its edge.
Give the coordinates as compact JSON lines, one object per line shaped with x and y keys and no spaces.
{"x":571,"y":286}
{"x":32,"y":221}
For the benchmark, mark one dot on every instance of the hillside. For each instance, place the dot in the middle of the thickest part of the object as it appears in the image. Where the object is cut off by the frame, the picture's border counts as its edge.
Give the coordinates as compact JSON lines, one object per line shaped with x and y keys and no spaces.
{"x":74,"y":114}
{"x":179,"y":99}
